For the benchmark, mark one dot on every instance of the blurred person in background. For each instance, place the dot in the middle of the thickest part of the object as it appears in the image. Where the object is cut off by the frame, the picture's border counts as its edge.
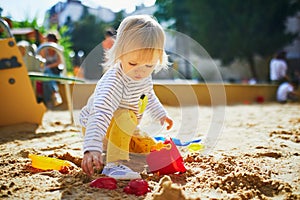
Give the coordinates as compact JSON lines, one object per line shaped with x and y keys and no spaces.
{"x":51,"y":93}
{"x":108,"y":39}
{"x":278,"y":68}
{"x":286,"y":91}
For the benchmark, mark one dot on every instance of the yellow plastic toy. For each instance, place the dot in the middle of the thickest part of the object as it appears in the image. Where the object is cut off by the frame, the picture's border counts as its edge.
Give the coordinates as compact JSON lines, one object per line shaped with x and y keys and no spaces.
{"x":143,"y":103}
{"x":18,"y":102}
{"x":47,"y":163}
{"x":193,"y":147}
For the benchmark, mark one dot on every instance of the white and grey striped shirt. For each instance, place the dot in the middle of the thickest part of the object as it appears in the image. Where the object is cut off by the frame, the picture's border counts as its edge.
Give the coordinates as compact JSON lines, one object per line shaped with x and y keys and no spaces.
{"x":115,"y":90}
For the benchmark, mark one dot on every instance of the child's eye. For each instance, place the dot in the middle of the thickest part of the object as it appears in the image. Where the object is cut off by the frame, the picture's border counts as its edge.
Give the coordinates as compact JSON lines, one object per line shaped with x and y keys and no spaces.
{"x":132,"y":64}
{"x":149,"y":66}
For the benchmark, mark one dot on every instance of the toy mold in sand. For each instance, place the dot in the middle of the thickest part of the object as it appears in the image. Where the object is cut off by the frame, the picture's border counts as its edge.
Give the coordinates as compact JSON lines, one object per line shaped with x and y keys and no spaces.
{"x":104,"y":182}
{"x":138,"y":187}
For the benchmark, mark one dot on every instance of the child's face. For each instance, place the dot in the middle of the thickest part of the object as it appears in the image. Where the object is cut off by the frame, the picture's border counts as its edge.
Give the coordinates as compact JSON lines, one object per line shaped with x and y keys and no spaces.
{"x":136,"y":66}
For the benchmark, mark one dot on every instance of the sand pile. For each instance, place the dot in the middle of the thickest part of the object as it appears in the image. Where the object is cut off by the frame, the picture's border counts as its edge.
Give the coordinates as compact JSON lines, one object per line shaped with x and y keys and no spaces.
{"x":256,"y":157}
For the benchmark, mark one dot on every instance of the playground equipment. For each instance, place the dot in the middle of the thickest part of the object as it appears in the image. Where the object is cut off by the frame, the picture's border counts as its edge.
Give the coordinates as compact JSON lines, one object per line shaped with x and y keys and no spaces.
{"x":18,"y":102}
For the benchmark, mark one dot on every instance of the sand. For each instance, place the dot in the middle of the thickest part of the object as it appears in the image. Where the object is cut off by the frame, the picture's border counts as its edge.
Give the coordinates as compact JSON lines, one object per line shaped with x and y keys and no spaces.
{"x":252,"y":153}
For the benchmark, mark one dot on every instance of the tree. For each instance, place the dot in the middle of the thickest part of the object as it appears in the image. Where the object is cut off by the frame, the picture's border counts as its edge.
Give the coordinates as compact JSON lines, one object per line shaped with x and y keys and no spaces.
{"x":176,"y":13}
{"x":87,"y":33}
{"x":65,"y":41}
{"x":119,"y":17}
{"x":236,"y":29}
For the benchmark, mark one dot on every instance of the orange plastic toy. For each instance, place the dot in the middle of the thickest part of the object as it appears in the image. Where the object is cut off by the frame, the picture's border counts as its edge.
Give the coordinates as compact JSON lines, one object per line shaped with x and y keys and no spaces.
{"x":46,"y":163}
{"x":158,"y":146}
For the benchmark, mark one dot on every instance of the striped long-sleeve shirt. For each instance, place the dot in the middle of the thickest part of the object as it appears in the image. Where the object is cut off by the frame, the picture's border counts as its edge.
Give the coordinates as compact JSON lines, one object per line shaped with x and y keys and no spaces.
{"x":115,"y":90}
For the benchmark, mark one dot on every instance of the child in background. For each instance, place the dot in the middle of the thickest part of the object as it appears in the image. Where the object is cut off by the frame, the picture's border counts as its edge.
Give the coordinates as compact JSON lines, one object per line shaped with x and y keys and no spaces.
{"x":53,"y":60}
{"x":286,"y":91}
{"x":138,"y":51}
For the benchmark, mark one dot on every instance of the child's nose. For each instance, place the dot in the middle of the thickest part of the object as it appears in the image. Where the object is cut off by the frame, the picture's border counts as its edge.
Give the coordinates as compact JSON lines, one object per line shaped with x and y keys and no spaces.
{"x":140,"y":69}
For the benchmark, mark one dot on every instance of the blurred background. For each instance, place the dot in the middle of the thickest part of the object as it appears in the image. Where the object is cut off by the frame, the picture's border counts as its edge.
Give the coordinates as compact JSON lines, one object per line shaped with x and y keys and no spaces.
{"x":240,"y":36}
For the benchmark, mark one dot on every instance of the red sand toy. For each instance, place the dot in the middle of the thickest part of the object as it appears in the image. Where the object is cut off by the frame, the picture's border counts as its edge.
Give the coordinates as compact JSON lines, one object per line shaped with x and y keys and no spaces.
{"x":105,"y":182}
{"x":138,"y":187}
{"x":165,"y":159}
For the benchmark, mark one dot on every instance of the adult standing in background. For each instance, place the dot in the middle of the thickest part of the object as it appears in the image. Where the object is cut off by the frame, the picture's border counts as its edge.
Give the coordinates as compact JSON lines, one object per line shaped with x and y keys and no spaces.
{"x":278,"y":68}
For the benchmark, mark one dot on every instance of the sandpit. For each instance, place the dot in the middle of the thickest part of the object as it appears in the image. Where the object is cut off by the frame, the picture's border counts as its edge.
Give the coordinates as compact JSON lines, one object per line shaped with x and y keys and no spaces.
{"x":255,"y":156}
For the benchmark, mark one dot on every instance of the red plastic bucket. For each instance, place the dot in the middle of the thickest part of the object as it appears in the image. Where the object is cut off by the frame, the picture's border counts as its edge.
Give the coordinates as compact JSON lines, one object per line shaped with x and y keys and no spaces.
{"x":166,"y":160}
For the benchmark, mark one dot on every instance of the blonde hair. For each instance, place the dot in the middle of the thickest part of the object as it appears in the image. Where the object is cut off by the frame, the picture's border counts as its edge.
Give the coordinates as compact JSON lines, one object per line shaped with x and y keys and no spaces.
{"x":135,"y":33}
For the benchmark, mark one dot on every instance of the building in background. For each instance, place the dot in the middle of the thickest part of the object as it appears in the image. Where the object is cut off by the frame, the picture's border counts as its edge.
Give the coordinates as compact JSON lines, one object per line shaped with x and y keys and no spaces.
{"x":72,"y":10}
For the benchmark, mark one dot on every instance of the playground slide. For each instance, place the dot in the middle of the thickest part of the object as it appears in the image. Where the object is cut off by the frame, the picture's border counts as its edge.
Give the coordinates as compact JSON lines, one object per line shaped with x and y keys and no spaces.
{"x":17,"y":100}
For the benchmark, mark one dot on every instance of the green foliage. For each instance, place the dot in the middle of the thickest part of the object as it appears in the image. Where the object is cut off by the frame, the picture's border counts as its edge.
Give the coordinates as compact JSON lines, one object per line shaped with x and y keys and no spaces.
{"x":166,"y":11}
{"x":65,"y":41}
{"x":119,"y":17}
{"x":87,"y":34}
{"x":233,"y":29}
{"x":241,"y":28}
{"x":29,"y":24}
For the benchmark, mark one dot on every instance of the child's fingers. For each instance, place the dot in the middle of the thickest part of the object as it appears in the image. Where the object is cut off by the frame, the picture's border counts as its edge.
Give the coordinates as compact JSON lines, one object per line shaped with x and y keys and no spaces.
{"x":168,"y":120}
{"x":89,"y":161}
{"x":97,"y":162}
{"x":170,"y":123}
{"x":87,"y":166}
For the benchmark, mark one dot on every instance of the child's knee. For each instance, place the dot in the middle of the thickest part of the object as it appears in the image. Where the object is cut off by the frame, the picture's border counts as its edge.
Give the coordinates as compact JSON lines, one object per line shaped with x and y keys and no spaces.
{"x":125,"y":120}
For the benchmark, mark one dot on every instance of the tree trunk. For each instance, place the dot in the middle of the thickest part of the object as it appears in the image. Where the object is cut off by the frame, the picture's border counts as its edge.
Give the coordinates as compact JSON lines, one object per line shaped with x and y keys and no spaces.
{"x":252,"y":67}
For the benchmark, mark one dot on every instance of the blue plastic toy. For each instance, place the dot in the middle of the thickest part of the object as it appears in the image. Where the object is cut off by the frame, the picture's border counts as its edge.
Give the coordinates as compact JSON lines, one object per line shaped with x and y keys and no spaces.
{"x":177,"y":141}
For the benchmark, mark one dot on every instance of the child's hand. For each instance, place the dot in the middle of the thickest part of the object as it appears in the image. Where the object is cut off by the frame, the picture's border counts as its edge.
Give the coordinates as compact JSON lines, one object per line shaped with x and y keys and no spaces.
{"x":91,"y":159}
{"x":168,"y":120}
